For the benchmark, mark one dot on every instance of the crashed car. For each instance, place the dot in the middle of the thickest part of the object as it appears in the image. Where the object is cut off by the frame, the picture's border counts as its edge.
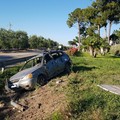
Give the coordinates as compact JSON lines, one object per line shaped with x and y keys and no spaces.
{"x":39,"y":69}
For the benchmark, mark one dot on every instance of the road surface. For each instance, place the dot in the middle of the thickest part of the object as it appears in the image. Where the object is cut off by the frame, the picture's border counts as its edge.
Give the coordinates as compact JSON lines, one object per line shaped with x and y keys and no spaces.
{"x":13,"y":55}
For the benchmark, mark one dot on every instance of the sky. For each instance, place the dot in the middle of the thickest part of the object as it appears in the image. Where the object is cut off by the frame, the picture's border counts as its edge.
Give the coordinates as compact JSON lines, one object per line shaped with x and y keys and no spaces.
{"x":45,"y":18}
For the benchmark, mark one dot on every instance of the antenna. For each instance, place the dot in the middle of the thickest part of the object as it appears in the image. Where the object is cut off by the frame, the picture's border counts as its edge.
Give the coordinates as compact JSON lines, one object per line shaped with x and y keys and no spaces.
{"x":10,"y":26}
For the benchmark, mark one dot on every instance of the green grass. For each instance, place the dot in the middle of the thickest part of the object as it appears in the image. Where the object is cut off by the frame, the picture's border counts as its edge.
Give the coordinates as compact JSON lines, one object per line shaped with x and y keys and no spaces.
{"x":7,"y":74}
{"x":56,"y":116}
{"x":86,"y":100}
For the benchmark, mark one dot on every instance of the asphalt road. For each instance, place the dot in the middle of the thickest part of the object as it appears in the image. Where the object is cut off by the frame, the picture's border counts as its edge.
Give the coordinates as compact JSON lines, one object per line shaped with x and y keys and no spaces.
{"x":12,"y":55}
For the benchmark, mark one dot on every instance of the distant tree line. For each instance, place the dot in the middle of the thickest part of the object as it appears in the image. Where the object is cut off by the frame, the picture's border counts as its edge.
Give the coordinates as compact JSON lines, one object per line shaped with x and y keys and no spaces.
{"x":10,"y":40}
{"x":89,"y":21}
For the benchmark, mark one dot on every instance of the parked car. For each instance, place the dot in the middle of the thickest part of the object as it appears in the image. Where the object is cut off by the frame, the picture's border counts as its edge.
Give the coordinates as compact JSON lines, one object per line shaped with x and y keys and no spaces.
{"x":39,"y":69}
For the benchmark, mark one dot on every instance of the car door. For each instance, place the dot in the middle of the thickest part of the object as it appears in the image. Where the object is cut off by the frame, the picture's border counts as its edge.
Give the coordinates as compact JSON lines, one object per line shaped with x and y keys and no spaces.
{"x":59,"y":61}
{"x":50,"y":65}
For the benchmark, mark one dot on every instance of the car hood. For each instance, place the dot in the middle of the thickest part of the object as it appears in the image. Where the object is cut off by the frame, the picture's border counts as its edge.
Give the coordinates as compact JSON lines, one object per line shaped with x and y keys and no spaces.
{"x":23,"y":73}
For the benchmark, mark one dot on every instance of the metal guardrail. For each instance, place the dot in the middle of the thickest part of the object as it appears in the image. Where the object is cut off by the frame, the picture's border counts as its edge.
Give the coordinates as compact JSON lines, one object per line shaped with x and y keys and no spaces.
{"x":6,"y":63}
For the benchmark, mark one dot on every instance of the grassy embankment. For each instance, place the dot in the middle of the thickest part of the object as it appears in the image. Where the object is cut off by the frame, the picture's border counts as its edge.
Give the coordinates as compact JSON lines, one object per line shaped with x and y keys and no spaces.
{"x":86,"y":100}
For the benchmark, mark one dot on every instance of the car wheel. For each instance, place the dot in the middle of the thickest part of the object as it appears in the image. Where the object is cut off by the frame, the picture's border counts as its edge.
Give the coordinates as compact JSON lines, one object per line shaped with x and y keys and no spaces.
{"x":41,"y":80}
{"x":67,"y":68}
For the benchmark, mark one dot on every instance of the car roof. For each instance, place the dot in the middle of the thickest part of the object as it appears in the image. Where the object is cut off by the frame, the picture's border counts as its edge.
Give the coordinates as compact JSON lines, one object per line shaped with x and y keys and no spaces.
{"x":57,"y":51}
{"x":39,"y":55}
{"x":44,"y":53}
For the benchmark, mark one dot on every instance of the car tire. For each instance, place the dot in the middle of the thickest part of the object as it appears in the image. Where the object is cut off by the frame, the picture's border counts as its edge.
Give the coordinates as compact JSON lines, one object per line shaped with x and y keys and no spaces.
{"x":67,"y":68}
{"x":41,"y":80}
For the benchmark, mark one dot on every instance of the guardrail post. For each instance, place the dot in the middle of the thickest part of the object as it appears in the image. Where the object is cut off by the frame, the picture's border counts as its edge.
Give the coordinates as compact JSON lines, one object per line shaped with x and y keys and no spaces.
{"x":2,"y":70}
{"x":3,"y":67}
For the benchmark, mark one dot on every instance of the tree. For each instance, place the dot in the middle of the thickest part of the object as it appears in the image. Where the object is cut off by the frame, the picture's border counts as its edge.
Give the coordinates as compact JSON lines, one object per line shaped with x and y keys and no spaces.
{"x":22,"y":37}
{"x":71,"y":43}
{"x":110,"y":12}
{"x":113,"y":15}
{"x":15,"y":43}
{"x":116,"y":36}
{"x":93,"y":44}
{"x":5,"y":39}
{"x":76,"y":17}
{"x":33,"y":42}
{"x":41,"y":42}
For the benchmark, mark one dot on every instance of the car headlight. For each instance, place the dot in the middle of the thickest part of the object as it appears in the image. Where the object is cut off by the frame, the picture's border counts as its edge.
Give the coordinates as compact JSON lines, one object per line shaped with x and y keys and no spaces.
{"x":29,"y":76}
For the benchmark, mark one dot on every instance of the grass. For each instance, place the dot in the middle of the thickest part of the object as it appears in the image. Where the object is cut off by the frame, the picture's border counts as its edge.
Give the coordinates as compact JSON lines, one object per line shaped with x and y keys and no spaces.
{"x":56,"y":116}
{"x":86,"y":100}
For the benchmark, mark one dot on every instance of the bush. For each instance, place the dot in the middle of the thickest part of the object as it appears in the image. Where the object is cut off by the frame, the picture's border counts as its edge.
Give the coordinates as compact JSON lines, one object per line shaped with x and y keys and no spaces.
{"x":115,"y":50}
{"x":72,"y":51}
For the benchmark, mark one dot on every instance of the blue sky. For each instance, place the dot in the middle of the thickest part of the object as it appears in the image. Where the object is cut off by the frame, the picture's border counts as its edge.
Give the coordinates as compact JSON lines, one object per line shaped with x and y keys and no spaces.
{"x":45,"y":18}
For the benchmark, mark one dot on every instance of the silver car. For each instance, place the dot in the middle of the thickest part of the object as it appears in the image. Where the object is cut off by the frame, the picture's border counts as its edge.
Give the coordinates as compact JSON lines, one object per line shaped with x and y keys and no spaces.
{"x":39,"y":69}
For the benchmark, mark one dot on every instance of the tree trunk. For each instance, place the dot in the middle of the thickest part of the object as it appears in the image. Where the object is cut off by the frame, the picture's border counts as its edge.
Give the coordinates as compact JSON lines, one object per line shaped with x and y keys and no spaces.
{"x":94,"y":53}
{"x":99,"y":30}
{"x":91,"y":50}
{"x":105,"y":32}
{"x":109,"y":30}
{"x":79,"y":41}
{"x":102,"y":51}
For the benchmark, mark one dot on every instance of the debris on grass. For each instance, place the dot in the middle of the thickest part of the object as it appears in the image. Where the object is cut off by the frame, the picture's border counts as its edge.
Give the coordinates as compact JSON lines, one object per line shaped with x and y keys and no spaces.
{"x":111,"y":88}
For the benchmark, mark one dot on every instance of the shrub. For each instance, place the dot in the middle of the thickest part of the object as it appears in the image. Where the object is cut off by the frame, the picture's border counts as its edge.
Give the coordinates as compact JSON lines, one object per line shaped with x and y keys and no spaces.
{"x":72,"y":51}
{"x":115,"y":50}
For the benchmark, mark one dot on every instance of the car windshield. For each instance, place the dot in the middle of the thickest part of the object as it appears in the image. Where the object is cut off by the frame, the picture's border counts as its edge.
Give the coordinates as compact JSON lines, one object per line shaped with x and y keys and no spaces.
{"x":32,"y":63}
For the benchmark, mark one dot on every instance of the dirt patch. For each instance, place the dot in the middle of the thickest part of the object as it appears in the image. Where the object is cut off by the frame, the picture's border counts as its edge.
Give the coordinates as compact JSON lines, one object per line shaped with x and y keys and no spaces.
{"x":40,"y":104}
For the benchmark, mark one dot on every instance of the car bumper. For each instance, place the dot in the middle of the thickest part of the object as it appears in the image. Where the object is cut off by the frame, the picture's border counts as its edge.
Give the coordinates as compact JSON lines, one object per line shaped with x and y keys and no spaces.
{"x":11,"y":87}
{"x":26,"y":84}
